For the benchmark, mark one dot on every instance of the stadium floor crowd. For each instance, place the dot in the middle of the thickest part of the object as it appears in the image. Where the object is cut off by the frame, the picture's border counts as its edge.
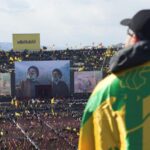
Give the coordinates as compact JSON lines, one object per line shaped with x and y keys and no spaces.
{"x":55,"y":128}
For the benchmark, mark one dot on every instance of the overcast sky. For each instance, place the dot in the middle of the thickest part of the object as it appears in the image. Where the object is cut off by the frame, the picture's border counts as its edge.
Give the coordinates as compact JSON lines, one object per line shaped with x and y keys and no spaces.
{"x":71,"y":22}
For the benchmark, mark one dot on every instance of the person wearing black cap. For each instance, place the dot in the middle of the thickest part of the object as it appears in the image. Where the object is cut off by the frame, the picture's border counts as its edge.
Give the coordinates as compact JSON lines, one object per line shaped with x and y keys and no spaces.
{"x":117,"y":115}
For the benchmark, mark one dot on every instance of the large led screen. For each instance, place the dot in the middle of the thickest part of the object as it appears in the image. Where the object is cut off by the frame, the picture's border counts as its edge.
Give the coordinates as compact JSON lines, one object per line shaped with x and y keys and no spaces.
{"x":5,"y":84}
{"x":84,"y":82}
{"x":34,"y":77}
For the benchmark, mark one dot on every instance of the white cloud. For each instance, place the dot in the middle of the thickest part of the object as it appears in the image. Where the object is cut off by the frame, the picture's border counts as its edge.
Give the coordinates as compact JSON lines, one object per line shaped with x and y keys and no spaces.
{"x":14,"y":6}
{"x":68,"y":21}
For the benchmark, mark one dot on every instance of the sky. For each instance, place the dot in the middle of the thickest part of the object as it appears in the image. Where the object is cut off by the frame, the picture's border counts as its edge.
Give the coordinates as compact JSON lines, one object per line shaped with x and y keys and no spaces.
{"x":68,"y":23}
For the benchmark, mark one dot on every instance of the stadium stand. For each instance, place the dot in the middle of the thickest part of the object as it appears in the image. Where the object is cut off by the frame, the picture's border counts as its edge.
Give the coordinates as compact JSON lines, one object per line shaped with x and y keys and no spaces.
{"x":39,"y":123}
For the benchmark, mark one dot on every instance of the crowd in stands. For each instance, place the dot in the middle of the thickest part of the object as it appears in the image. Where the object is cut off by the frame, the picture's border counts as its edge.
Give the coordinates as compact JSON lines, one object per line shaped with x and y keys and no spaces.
{"x":41,"y":123}
{"x":86,"y":59}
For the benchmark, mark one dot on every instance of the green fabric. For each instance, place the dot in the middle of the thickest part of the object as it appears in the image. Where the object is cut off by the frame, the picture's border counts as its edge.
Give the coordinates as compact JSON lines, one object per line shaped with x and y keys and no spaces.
{"x":130,"y":89}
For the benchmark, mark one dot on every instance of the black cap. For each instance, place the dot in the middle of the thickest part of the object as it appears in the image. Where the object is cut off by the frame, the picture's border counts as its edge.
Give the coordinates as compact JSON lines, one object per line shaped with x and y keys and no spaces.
{"x":139,"y":24}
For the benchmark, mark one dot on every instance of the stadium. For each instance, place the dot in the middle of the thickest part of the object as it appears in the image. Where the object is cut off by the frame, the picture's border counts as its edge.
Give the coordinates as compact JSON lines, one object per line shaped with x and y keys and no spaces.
{"x":74,"y":75}
{"x":47,"y":119}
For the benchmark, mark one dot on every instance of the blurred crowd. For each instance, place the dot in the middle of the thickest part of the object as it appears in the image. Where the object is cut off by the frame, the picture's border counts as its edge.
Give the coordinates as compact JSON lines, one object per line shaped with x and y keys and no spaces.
{"x":47,"y":123}
{"x":86,"y":60}
{"x":40,"y":124}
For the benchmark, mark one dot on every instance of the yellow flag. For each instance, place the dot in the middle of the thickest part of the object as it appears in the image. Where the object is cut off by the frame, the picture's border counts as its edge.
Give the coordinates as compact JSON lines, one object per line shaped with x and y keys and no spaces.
{"x":11,"y":59}
{"x":52,"y":100}
{"x":17,"y":114}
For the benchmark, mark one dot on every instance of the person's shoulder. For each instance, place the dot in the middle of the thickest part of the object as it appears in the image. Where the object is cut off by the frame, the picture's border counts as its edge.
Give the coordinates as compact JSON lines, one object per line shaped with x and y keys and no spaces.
{"x":145,"y":67}
{"x":117,"y":77}
{"x":104,"y":83}
{"x":98,"y":96}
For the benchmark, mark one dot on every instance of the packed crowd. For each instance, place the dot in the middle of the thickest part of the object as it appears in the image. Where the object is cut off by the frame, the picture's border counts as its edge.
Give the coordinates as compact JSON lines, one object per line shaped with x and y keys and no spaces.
{"x":45,"y":123}
{"x":80,"y":59}
{"x":46,"y":126}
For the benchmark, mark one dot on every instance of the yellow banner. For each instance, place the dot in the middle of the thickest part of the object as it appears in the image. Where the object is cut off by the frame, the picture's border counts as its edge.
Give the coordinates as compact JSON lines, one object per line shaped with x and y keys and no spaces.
{"x":26,"y":41}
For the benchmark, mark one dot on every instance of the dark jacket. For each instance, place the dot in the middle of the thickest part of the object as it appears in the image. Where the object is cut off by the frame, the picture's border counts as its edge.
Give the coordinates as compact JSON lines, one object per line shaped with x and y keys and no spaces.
{"x":131,"y":57}
{"x":60,"y":89}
